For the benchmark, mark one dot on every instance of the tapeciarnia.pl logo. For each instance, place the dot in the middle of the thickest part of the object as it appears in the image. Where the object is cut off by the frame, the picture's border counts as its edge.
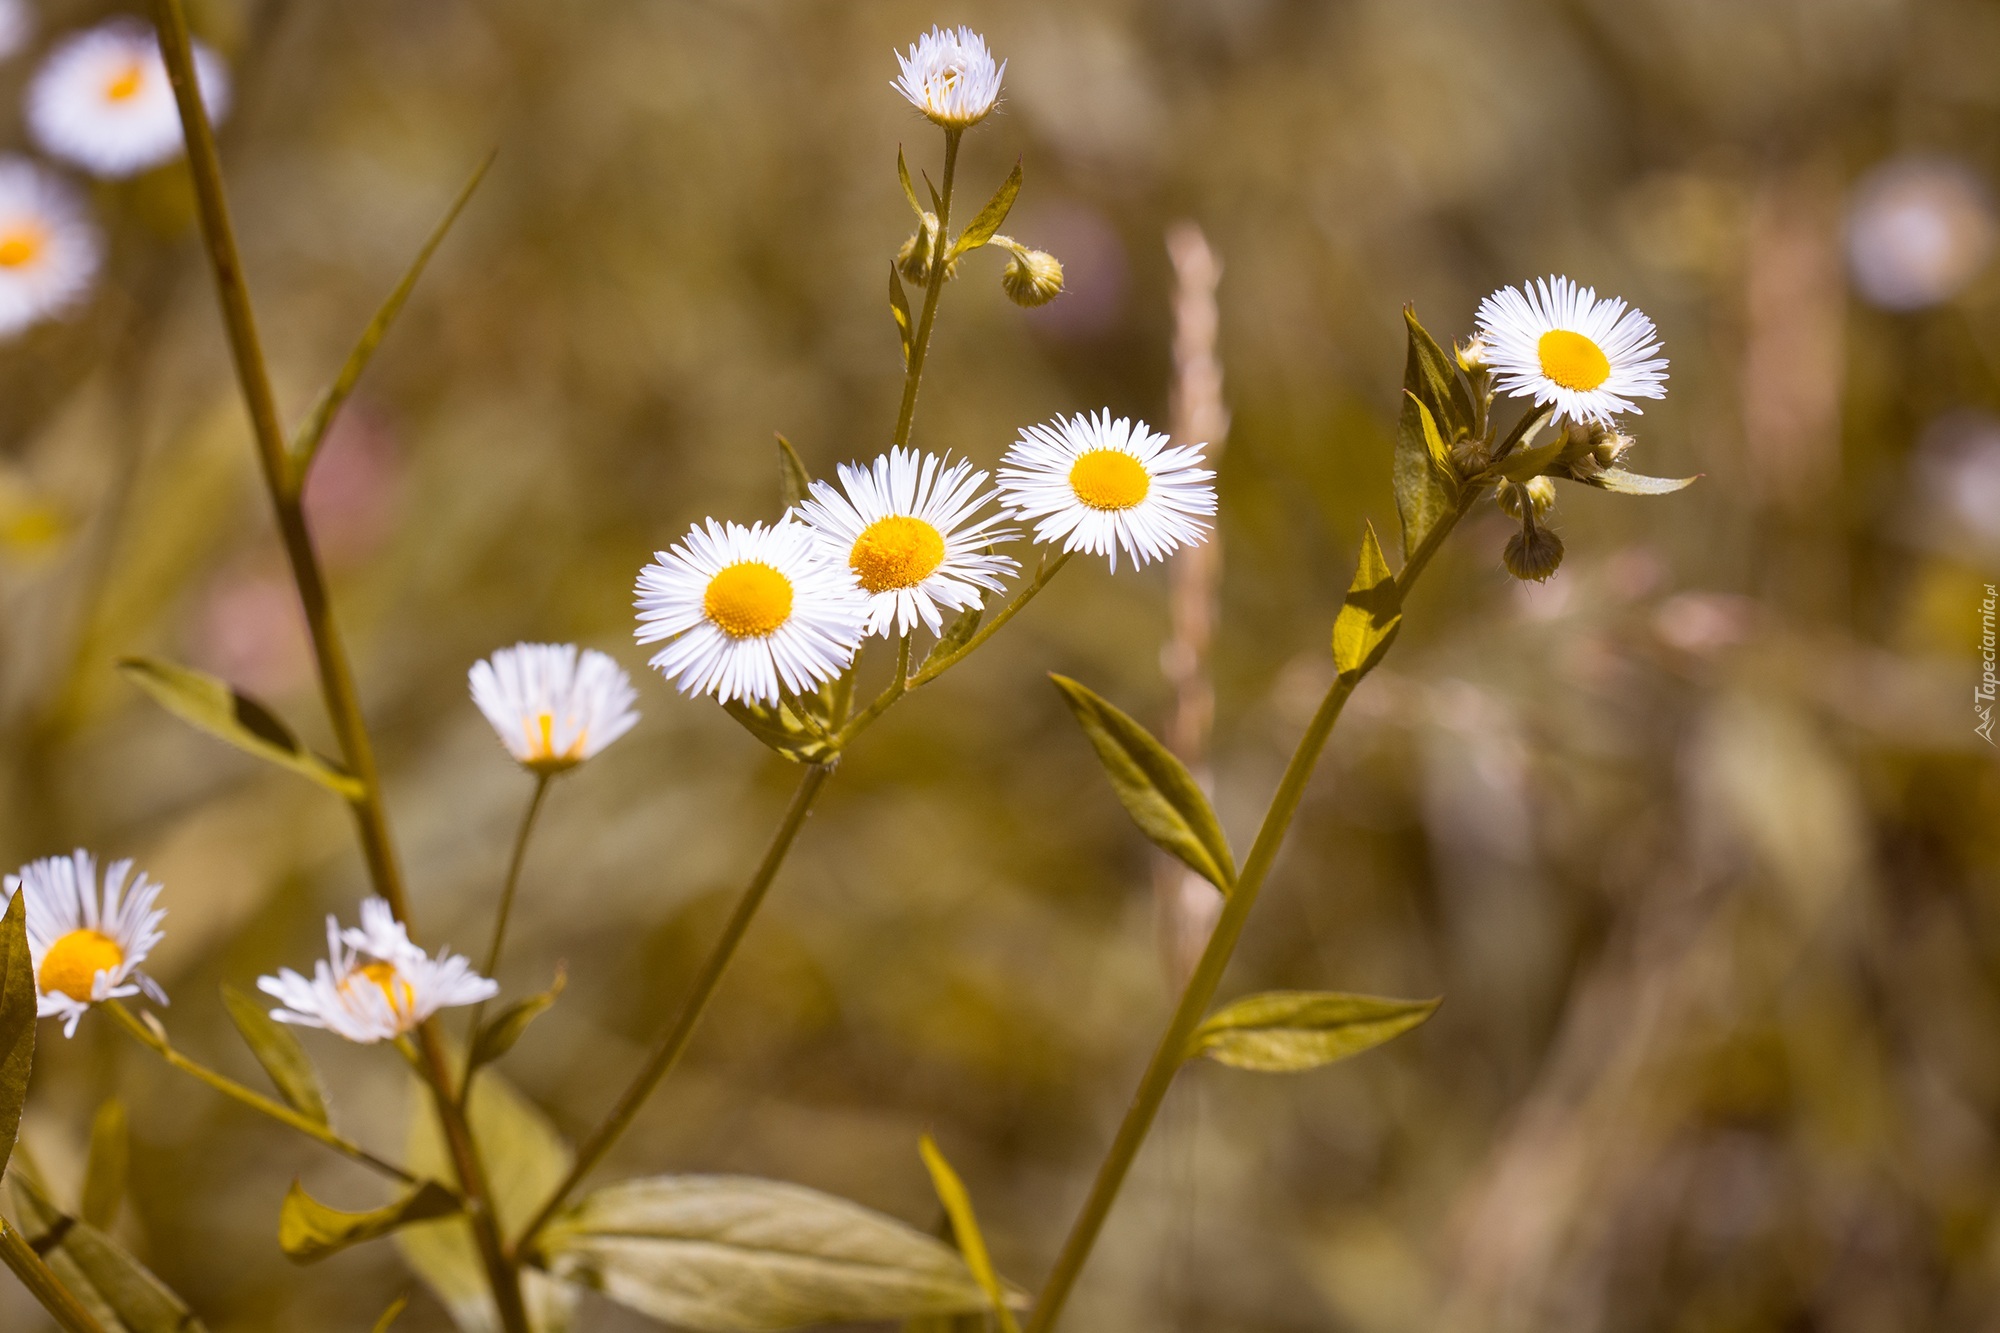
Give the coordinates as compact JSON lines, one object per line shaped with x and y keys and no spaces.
{"x":1983,"y":692}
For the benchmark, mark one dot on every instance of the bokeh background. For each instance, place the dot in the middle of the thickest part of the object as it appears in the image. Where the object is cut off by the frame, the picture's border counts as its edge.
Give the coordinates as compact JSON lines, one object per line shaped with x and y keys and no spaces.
{"x":1696,"y":840}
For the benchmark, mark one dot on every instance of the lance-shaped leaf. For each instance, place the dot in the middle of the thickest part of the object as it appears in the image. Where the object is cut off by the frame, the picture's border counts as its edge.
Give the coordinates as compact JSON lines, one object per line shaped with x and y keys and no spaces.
{"x":499,"y":1033}
{"x":983,"y":227}
{"x":212,"y":706}
{"x":1370,"y":616}
{"x":1440,"y":452}
{"x":110,"y":1161}
{"x":1636,"y":483}
{"x":1424,"y":495}
{"x":17,"y":1021}
{"x":957,"y":1203}
{"x":1281,"y":1031}
{"x":277,"y":1048}
{"x":99,"y":1272}
{"x":1155,"y":787}
{"x":1441,"y":387}
{"x":312,"y":431}
{"x":794,"y":482}
{"x":909,"y":190}
{"x":899,"y":306}
{"x":734,"y":1254}
{"x":308,"y":1230}
{"x":957,"y":634}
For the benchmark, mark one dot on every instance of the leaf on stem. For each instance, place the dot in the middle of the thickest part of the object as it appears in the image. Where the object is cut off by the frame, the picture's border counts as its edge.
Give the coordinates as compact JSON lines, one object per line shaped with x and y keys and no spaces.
{"x":735,"y":1254}
{"x":957,"y":1203}
{"x":1155,"y":788}
{"x":983,"y":227}
{"x":794,"y":482}
{"x":105,"y":1172}
{"x":1434,"y":445}
{"x":1283,"y":1031}
{"x":1442,"y":388}
{"x":909,"y":190}
{"x":17,"y":1021}
{"x":1423,"y":495}
{"x":957,"y":634}
{"x":899,"y":306}
{"x":498,"y":1034}
{"x":1527,"y":464}
{"x":784,"y":730}
{"x":279,"y":1050}
{"x":1370,"y":616}
{"x":312,"y":431}
{"x":99,"y":1272}
{"x":212,"y":706}
{"x":309,"y":1231}
{"x":1637,"y":483}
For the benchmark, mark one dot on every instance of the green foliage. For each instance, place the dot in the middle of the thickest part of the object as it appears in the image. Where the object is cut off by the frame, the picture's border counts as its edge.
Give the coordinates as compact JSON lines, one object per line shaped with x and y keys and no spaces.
{"x":1370,"y":616}
{"x":734,"y":1254}
{"x":899,"y":306}
{"x":498,"y":1034}
{"x":105,"y":1278}
{"x":956,"y":634}
{"x":1155,"y":787}
{"x":308,"y":1230}
{"x":909,"y":190}
{"x":109,"y":1164}
{"x":1283,"y":1031}
{"x":1437,"y":411}
{"x":794,"y":482}
{"x":957,"y":1203}
{"x":210,"y":705}
{"x":1634,"y":483}
{"x":790,"y":729}
{"x":992,"y":217}
{"x":279,"y":1050}
{"x":17,"y":1021}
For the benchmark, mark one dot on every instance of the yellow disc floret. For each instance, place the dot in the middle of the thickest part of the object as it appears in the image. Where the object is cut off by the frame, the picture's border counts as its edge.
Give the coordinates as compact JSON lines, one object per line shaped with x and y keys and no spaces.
{"x":1572,"y":360}
{"x":72,"y":963}
{"x":896,"y":552}
{"x":401,"y":995}
{"x":20,"y":246}
{"x":748,"y":600}
{"x":124,"y":86}
{"x":1109,"y":479}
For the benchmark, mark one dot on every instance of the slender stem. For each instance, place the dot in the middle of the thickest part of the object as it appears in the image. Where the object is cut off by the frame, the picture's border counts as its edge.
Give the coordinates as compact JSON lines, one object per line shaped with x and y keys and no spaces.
{"x":883,"y":701}
{"x":42,"y":1283}
{"x":675,"y":1040}
{"x":502,"y":1275}
{"x":520,"y":855}
{"x":920,"y":341}
{"x":1200,"y":992}
{"x":256,"y":1101}
{"x":937,"y":666}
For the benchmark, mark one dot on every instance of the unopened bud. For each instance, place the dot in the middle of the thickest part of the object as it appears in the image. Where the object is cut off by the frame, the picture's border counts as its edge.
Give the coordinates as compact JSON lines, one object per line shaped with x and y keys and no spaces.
{"x":1609,"y":447}
{"x":1540,"y":492}
{"x":1533,"y":553}
{"x":1032,"y":278}
{"x":1472,"y":355}
{"x":913,"y":261}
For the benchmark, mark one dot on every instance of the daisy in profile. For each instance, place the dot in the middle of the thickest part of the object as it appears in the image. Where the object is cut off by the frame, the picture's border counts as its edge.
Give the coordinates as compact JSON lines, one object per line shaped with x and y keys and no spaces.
{"x":1100,"y":485}
{"x":1557,"y":343}
{"x":85,"y":944}
{"x":374,"y":985}
{"x":102,"y":101}
{"x":950,"y":77}
{"x":750,"y":613}
{"x":49,"y":247}
{"x":551,"y":706}
{"x":906,"y":527}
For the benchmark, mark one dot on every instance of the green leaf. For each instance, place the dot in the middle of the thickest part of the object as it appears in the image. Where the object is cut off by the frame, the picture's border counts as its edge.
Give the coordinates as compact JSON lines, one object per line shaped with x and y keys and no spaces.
{"x":957,"y":634}
{"x":1281,"y":1031}
{"x":1155,"y":787}
{"x":312,"y":431}
{"x":498,"y":1034}
{"x":1434,"y":445}
{"x":909,"y":190}
{"x":1423,"y":496}
{"x":17,"y":1021}
{"x":99,"y":1272}
{"x":733,"y":1254}
{"x":1635,"y":483}
{"x":783,"y":729}
{"x":277,"y":1048}
{"x":990,"y":217}
{"x":794,"y":482}
{"x":1527,"y":464}
{"x":212,"y":706}
{"x":392,"y":1314}
{"x":899,"y":306}
{"x":952,"y":1194}
{"x":1440,"y":387}
{"x":110,"y":1161}
{"x":309,"y":1231}
{"x":1370,"y":616}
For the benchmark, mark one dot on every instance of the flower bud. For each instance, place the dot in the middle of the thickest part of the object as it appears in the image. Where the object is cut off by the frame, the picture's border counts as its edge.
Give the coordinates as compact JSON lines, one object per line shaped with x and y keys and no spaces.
{"x":1608,"y":447}
{"x":1533,"y":553}
{"x":1472,"y":355}
{"x":1032,"y":278}
{"x":913,"y":261}
{"x":1538,"y":491}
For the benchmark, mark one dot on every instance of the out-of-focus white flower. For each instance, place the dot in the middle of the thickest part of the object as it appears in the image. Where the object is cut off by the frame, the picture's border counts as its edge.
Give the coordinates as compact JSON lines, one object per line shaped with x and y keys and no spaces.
{"x":1919,"y":230}
{"x":1555,"y":342}
{"x":1100,"y":485}
{"x":374,"y":985}
{"x":17,"y":24}
{"x":102,"y":100}
{"x":49,"y":247}
{"x":906,"y":528}
{"x":750,"y":613}
{"x":86,"y":945}
{"x":950,"y":77}
{"x":552,"y":707}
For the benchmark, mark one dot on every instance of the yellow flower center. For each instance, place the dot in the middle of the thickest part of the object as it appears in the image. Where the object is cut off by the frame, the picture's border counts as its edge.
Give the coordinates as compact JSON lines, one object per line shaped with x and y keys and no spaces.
{"x":1109,"y":479}
{"x":73,"y":962}
{"x":21,"y":246}
{"x":896,"y":552}
{"x":748,"y":600}
{"x":401,"y":995}
{"x":126,"y":84}
{"x":1572,"y":360}
{"x":542,"y":756}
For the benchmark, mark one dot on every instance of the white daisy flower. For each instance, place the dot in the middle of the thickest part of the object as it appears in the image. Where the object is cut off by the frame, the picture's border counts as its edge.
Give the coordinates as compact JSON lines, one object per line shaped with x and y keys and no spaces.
{"x":1104,"y":484}
{"x":750,"y":613}
{"x":49,"y":247}
{"x":102,"y":100}
{"x":374,"y":985}
{"x":1557,"y":343}
{"x":17,"y":24}
{"x":86,"y":945}
{"x":905,"y":527}
{"x":950,"y":77}
{"x":552,"y":707}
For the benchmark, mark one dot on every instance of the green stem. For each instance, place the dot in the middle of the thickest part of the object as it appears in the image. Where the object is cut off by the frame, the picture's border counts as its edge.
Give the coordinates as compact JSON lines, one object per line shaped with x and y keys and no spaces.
{"x":256,"y":1101}
{"x":520,"y":855}
{"x":1171,"y":1053}
{"x":937,"y":666}
{"x":920,"y":341}
{"x":675,"y":1040}
{"x":883,"y":701}
{"x":42,"y":1283}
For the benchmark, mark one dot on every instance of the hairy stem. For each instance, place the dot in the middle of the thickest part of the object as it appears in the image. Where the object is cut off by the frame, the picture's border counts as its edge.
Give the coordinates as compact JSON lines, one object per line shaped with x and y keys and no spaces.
{"x":514,"y":862}
{"x":42,"y":1283}
{"x":920,"y":340}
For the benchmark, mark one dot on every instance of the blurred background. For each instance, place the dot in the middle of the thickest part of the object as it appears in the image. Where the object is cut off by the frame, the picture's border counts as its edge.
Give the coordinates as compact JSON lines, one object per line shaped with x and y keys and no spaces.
{"x":1696,"y":840}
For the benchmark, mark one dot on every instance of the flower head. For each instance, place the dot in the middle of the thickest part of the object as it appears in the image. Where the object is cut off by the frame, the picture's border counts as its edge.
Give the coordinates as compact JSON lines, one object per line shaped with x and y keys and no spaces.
{"x":49,"y":247}
{"x":374,"y":985}
{"x":749,"y":613}
{"x":102,"y":99}
{"x":905,"y":527}
{"x":1104,"y":484}
{"x":552,"y":707}
{"x":86,"y":945}
{"x":950,"y":77}
{"x":1557,"y":343}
